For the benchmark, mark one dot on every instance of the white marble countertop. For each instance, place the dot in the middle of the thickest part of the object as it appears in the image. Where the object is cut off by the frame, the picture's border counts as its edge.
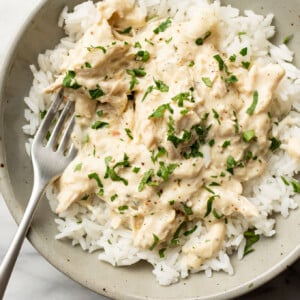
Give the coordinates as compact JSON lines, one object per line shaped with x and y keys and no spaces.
{"x":34,"y":277}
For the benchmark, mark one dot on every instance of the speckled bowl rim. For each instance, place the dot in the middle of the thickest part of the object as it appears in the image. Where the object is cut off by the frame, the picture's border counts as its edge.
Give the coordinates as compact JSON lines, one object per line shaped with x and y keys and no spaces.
{"x":6,"y":190}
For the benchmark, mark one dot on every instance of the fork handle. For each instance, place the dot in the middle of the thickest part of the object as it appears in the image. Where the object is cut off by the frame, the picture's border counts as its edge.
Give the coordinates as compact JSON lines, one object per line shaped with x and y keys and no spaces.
{"x":10,"y":258}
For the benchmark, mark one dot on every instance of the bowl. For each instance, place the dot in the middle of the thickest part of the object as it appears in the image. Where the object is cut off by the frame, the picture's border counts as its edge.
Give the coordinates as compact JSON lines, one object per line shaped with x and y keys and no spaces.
{"x":135,"y":282}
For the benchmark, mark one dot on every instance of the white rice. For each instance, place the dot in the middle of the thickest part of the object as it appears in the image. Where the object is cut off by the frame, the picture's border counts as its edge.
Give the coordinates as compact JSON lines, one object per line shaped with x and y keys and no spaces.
{"x":90,"y":226}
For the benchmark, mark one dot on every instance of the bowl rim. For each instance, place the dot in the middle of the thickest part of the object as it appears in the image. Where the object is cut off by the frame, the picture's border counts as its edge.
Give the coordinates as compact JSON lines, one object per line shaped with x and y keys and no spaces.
{"x":7,"y":193}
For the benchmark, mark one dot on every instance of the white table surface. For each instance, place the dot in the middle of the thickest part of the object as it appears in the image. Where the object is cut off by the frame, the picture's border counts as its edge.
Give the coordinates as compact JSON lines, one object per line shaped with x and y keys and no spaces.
{"x":33,"y":277}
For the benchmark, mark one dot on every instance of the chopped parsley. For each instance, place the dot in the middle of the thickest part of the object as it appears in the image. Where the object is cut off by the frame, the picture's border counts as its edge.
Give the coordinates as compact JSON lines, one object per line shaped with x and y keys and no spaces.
{"x":123,"y":208}
{"x":189,"y":232}
{"x":96,"y":93}
{"x":126,"y":30}
{"x":226,"y":144}
{"x":232,"y":58}
{"x":155,"y":242}
{"x":146,"y":179}
{"x":246,"y":64}
{"x":175,"y":139}
{"x":216,"y":215}
{"x":129,"y":134}
{"x":180,"y":98}
{"x":148,"y":91}
{"x":251,"y":238}
{"x":142,"y":55}
{"x":220,"y":61}
{"x":78,"y":167}
{"x":100,"y":113}
{"x":96,"y":177}
{"x":191,"y":63}
{"x":296,"y":186}
{"x":199,"y":41}
{"x":231,"y":163}
{"x":244,"y":51}
{"x":209,"y":204}
{"x":161,"y":252}
{"x":168,"y":41}
{"x":236,"y":123}
{"x":134,"y":73}
{"x":275,"y":144}
{"x":211,"y":143}
{"x":249,"y":135}
{"x":69,"y":80}
{"x":91,"y":48}
{"x":161,"y":86}
{"x":175,"y":238}
{"x":136,"y":170}
{"x":111,"y":171}
{"x":165,"y":171}
{"x":287,"y":39}
{"x":163,"y":26}
{"x":285,"y":181}
{"x":207,"y":82}
{"x":188,"y":210}
{"x":113,"y":197}
{"x":99,"y":124}
{"x":252,"y":107}
{"x":161,"y":151}
{"x":216,"y":116}
{"x":138,"y":45}
{"x":43,"y":114}
{"x":231,"y":79}
{"x":160,"y":111}
{"x":87,"y":65}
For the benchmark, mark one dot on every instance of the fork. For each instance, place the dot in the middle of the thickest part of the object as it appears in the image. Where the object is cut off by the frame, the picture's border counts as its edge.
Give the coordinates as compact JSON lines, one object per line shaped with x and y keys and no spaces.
{"x":49,"y":160}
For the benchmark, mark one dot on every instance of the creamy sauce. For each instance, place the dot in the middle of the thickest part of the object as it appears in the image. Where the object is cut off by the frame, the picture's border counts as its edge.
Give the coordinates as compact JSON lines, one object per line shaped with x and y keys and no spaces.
{"x":174,"y":130}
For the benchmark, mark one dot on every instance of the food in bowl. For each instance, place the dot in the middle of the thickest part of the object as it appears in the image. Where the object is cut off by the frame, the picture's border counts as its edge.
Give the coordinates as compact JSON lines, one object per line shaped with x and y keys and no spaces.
{"x":186,"y":125}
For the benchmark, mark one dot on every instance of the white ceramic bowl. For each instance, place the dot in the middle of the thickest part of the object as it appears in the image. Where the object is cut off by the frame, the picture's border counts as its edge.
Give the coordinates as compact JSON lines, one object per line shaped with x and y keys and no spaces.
{"x":136,"y":282}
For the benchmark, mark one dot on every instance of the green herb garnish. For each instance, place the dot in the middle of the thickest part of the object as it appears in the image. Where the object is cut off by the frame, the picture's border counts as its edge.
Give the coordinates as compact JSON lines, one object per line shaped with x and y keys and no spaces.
{"x":244,"y":51}
{"x":161,"y":252}
{"x":142,"y":55}
{"x":207,"y":82}
{"x":91,"y":48}
{"x":163,"y":26}
{"x":129,"y":134}
{"x":209,"y":204}
{"x":96,"y":93}
{"x":165,"y":171}
{"x":226,"y":144}
{"x":160,"y":111}
{"x":199,"y":41}
{"x":113,"y":197}
{"x":252,"y":107}
{"x":99,"y":124}
{"x":251,"y":238}
{"x":146,"y":179}
{"x":161,"y":86}
{"x":216,"y":116}
{"x":126,"y":30}
{"x":248,"y":135}
{"x":161,"y":152}
{"x":231,"y":164}
{"x":188,"y":210}
{"x":123,"y":208}
{"x":70,"y":82}
{"x":175,"y":240}
{"x":78,"y":167}
{"x":111,"y":171}
{"x":189,"y":232}
{"x":275,"y":144}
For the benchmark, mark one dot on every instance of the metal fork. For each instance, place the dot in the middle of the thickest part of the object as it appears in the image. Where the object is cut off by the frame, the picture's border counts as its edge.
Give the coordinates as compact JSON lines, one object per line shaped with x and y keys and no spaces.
{"x":48,"y":161}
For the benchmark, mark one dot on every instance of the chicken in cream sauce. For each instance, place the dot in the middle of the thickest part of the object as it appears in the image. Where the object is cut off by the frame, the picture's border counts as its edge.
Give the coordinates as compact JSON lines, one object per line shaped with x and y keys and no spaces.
{"x":168,"y":128}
